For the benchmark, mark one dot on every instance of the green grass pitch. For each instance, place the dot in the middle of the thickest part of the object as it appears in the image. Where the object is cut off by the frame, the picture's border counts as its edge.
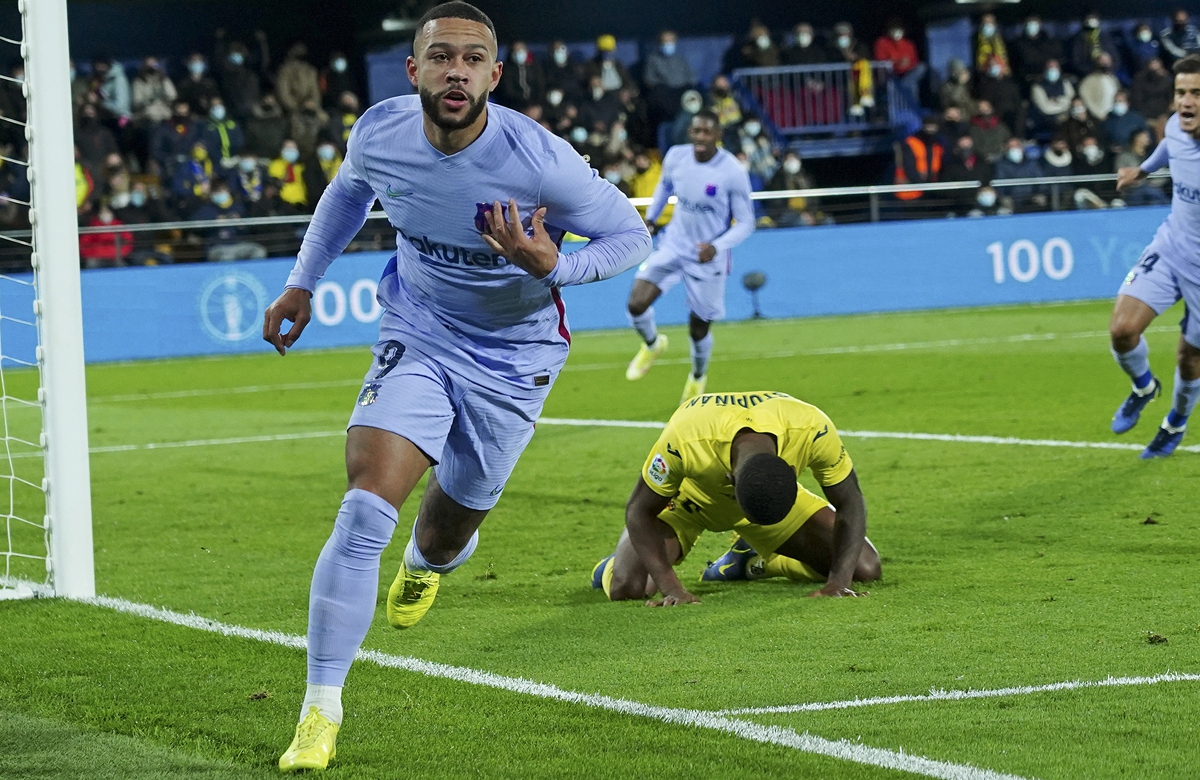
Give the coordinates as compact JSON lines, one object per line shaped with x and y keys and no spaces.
{"x":1004,"y":565}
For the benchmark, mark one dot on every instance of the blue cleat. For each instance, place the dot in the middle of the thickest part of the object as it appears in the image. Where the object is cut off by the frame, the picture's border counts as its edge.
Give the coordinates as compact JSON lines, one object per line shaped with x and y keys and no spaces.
{"x":598,"y":572}
{"x":1127,"y":416}
{"x":731,"y":565}
{"x":1164,"y":443}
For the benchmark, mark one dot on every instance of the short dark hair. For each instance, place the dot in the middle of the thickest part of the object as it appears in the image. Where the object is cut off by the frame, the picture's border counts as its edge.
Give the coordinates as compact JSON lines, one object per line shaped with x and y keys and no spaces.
{"x":457,"y":9}
{"x":765,"y":488}
{"x":1187,"y":64}
{"x":709,"y":114}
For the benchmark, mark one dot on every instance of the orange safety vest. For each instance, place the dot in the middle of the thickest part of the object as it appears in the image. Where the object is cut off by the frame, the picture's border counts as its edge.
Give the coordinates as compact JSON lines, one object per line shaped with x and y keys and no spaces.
{"x":918,"y":150}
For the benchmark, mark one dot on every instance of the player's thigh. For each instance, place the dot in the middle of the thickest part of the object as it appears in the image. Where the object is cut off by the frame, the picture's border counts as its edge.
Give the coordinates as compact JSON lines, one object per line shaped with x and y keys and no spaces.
{"x":1149,"y":289}
{"x":1189,"y":346}
{"x":489,"y":432}
{"x":399,"y":423}
{"x":662,"y":269}
{"x":705,"y":285}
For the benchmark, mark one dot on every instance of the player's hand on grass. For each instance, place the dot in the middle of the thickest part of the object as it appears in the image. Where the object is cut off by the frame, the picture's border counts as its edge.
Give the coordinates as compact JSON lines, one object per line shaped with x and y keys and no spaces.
{"x":536,"y":256}
{"x":295,"y":306}
{"x":673,"y":600}
{"x":1127,"y":177}
{"x":707,"y":252}
{"x":837,"y":591}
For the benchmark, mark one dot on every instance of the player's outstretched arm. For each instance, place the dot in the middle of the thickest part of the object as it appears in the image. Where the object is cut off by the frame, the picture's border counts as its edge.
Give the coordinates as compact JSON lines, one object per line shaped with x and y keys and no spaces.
{"x":1127,"y":177}
{"x":295,"y":306}
{"x":648,"y":535}
{"x":849,"y":535}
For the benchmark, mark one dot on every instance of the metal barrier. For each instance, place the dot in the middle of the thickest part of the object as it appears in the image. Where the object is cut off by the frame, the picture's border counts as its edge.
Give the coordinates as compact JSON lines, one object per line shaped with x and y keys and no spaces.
{"x":829,"y":110}
{"x":249,"y":238}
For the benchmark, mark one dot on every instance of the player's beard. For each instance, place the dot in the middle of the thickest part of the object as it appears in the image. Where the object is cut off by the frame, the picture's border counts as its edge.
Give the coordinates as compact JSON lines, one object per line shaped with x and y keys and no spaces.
{"x":432,"y":104}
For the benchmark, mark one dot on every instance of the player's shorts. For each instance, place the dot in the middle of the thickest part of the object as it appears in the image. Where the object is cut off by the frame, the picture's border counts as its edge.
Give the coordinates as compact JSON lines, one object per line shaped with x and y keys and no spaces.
{"x":704,"y":282}
{"x":1154,"y":282}
{"x":473,"y":434}
{"x":688,"y":516}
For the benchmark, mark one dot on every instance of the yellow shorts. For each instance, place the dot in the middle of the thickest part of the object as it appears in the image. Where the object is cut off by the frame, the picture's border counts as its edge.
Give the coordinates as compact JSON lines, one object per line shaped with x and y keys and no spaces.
{"x":689,"y":516}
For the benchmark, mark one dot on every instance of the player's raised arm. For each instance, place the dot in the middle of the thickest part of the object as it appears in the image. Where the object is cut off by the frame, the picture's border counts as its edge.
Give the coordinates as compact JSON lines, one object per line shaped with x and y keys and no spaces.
{"x":577,"y":199}
{"x":339,"y":216}
{"x":1127,"y":177}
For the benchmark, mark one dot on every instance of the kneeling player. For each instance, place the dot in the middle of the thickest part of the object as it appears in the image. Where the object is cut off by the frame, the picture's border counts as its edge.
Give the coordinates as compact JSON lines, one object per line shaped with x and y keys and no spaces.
{"x":729,"y":462}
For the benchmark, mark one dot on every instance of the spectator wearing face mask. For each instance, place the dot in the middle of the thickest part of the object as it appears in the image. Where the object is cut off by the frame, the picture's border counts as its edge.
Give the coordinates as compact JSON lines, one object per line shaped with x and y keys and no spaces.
{"x":113,"y":88}
{"x":105,"y":250}
{"x":322,"y":168}
{"x":1098,"y":90}
{"x":647,"y":170}
{"x":894,"y":47}
{"x":1153,"y":92}
{"x":248,"y":180}
{"x":848,"y":49}
{"x":989,"y":134}
{"x":1091,"y":159}
{"x":171,"y":141}
{"x":1142,"y":47}
{"x":226,"y":243}
{"x":288,"y":170}
{"x":267,"y":128}
{"x":198,"y":89}
{"x":920,"y":158}
{"x":758,"y":50}
{"x":1122,"y":122}
{"x":965,"y":163}
{"x":666,"y":75}
{"x":1051,"y":97}
{"x":153,"y":93}
{"x":1033,"y":50}
{"x":1145,"y":193}
{"x":690,"y":105}
{"x":222,"y":134}
{"x":1015,"y":163}
{"x":563,"y":74}
{"x":613,"y":175}
{"x":791,"y":212}
{"x":805,"y":48}
{"x":722,"y":103}
{"x":953,"y":125}
{"x":342,"y":118}
{"x":1181,"y":38}
{"x":600,"y":108}
{"x":612,"y":72}
{"x":1089,"y":44}
{"x":193,"y":180}
{"x":998,"y":88}
{"x":237,"y":79}
{"x":1058,"y":159}
{"x":989,"y":47}
{"x":1079,"y":125}
{"x":297,"y":85}
{"x":335,"y":79}
{"x":956,"y":90}
{"x":987,"y":203}
{"x":522,"y":82}
{"x":753,"y":140}
{"x":559,"y":113}
{"x":136,"y":207}
{"x":95,"y":141}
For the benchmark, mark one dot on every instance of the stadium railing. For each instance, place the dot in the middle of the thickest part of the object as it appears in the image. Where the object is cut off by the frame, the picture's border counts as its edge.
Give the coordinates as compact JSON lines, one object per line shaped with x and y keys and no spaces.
{"x":198,"y":241}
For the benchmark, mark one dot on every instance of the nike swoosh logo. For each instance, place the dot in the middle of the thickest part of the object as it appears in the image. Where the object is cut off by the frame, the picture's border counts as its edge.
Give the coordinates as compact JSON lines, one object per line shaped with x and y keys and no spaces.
{"x":824,"y":431}
{"x":392,"y":192}
{"x":721,"y":569}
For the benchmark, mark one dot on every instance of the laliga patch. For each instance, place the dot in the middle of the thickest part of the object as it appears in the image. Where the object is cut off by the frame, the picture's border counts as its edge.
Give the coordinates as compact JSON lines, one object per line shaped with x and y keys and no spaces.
{"x":1129,"y":277}
{"x":369,"y":394}
{"x":659,"y":469}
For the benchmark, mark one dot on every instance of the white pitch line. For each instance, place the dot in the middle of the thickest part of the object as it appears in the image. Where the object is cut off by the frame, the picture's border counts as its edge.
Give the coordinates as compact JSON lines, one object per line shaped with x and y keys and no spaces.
{"x":172,"y":445}
{"x":772,"y":735}
{"x":943,"y":695}
{"x":209,"y":391}
{"x":1011,"y":440}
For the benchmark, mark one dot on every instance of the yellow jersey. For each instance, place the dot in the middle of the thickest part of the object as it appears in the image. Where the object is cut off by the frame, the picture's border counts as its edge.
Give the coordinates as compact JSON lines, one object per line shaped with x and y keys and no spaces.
{"x":692,"y":454}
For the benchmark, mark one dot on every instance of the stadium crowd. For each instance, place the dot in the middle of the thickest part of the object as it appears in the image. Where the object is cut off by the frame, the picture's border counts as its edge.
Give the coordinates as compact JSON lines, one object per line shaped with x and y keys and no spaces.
{"x":236,"y":134}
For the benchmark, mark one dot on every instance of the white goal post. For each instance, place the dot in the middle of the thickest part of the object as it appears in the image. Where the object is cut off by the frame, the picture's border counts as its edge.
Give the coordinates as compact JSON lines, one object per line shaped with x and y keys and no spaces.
{"x":67,"y":481}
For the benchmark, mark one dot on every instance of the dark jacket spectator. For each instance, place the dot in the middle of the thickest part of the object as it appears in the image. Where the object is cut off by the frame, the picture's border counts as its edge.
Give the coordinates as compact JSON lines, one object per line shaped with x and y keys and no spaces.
{"x":193,"y":179}
{"x":522,"y":83}
{"x":1003,"y":93}
{"x":612,"y":72}
{"x":336,"y":79}
{"x":239,"y":84}
{"x":1142,"y":48}
{"x":1079,"y":125}
{"x":1051,"y":97}
{"x":1058,"y":159}
{"x":563,"y":74}
{"x":142,"y":209}
{"x":296,"y":83}
{"x":956,"y":90}
{"x":666,"y":67}
{"x":172,"y":140}
{"x":198,"y":89}
{"x":1122,"y":122}
{"x":342,"y":118}
{"x":964,"y":163}
{"x":600,"y":109}
{"x":95,"y":141}
{"x":1153,"y":90}
{"x":805,"y":48}
{"x":847,"y":48}
{"x":1088,"y":44}
{"x":248,"y":180}
{"x":989,"y":134}
{"x":1181,"y":38}
{"x":953,"y":126}
{"x":792,"y":211}
{"x":221,"y":134}
{"x":1016,"y":164}
{"x":1091,"y":159}
{"x":758,"y":50}
{"x":1032,"y":50}
{"x":266,"y":128}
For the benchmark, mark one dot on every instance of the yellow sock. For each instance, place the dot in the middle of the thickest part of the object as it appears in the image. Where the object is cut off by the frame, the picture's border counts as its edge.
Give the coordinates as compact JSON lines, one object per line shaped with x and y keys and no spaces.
{"x":760,"y":568}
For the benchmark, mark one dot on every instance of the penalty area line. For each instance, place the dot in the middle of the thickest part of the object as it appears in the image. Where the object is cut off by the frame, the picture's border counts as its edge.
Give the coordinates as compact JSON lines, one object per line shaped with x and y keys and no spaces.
{"x":770,"y":735}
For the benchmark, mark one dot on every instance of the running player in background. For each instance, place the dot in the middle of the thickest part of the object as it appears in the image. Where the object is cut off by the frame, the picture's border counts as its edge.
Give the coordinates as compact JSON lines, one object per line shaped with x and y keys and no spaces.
{"x":472,"y":336}
{"x":729,"y":462}
{"x":1168,"y":270}
{"x":713,"y":191}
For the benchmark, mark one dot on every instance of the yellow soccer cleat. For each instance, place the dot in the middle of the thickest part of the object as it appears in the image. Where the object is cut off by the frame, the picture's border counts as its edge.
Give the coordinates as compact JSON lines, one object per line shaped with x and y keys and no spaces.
{"x":315,"y":744}
{"x":410,"y":597}
{"x":694,"y":387}
{"x":640,"y":365}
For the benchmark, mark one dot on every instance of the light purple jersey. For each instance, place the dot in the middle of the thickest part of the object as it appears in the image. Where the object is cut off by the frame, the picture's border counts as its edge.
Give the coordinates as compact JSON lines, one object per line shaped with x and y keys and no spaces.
{"x":710,"y":195}
{"x":446,"y":293}
{"x":1179,"y":233}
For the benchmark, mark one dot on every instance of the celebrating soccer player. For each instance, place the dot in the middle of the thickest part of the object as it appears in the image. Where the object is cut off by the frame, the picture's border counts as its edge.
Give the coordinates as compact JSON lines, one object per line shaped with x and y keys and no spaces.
{"x":711,"y":189}
{"x":472,"y":337}
{"x":729,"y":462}
{"x":1168,"y":270}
